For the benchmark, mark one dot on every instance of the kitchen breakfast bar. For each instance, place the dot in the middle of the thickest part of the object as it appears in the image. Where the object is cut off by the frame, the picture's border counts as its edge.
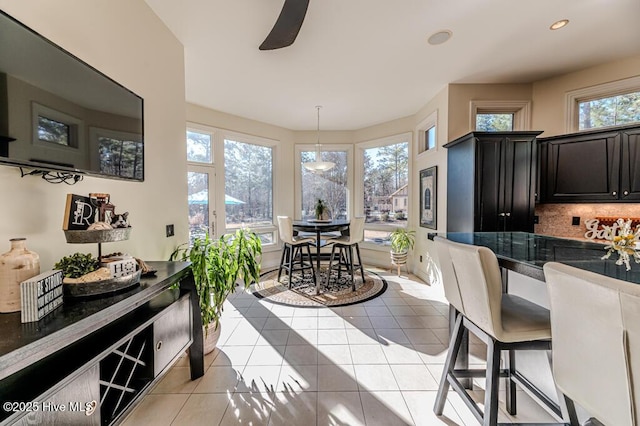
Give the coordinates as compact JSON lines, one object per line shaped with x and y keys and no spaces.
{"x":521,"y":257}
{"x":526,"y":253}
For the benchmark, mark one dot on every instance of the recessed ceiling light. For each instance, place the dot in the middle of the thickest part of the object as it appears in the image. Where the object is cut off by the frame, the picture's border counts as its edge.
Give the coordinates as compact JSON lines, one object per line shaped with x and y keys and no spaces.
{"x":439,"y":37}
{"x":559,"y":24}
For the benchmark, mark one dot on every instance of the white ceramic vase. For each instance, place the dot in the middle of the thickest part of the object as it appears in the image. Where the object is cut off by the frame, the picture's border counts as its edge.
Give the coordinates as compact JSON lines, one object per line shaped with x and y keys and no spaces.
{"x":16,"y":265}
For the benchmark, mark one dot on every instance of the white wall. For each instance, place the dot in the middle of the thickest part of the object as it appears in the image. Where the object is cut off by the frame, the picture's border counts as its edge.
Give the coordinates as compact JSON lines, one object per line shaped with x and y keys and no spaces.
{"x":549,"y":96}
{"x":427,"y":268}
{"x":108,"y":35}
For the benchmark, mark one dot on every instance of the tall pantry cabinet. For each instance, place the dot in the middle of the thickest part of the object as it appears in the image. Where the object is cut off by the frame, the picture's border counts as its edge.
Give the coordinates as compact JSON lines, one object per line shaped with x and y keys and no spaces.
{"x":491,"y":182}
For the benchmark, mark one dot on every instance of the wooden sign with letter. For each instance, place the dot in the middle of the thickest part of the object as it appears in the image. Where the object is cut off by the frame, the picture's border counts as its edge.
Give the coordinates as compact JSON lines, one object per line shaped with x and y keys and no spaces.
{"x":79,"y":212}
{"x":40,"y":295}
{"x":122,"y":268}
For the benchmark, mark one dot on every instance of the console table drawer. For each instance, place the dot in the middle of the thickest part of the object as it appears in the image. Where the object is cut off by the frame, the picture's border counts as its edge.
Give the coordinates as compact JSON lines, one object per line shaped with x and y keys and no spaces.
{"x":171,"y":333}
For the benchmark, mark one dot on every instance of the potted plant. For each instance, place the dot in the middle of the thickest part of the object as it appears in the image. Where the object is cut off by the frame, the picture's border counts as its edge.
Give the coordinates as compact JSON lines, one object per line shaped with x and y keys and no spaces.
{"x":321,"y":210}
{"x":401,"y":241}
{"x":217,"y":265}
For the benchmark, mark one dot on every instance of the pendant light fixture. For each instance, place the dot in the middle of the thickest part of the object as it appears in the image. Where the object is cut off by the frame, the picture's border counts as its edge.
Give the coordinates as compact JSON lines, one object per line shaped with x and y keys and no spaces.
{"x":318,"y":166}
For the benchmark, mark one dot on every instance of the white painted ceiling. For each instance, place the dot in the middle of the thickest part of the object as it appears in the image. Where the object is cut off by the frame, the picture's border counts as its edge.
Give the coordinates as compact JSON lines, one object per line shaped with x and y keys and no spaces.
{"x":368,"y":61}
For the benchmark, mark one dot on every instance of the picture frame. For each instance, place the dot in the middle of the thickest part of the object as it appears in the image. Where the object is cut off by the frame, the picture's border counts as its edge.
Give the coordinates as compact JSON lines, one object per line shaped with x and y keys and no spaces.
{"x":429,"y":197}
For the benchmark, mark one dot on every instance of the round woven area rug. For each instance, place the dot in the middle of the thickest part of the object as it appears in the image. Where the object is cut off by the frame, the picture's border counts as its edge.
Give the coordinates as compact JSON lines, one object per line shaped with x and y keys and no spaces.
{"x":303,"y":290}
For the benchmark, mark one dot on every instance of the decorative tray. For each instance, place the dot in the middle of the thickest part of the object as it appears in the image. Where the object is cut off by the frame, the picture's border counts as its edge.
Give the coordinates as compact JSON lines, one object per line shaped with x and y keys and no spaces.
{"x":97,"y":235}
{"x":101,"y":287}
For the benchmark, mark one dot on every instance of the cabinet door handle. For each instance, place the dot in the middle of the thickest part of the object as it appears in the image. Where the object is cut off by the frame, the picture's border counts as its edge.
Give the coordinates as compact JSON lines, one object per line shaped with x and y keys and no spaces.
{"x":625,"y":193}
{"x":507,"y":214}
{"x":502,"y":214}
{"x":614,"y":193}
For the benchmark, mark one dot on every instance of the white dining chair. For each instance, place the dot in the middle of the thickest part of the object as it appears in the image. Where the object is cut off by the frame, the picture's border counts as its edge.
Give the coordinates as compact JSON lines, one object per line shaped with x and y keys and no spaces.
{"x":505,"y":322}
{"x":595,"y":325}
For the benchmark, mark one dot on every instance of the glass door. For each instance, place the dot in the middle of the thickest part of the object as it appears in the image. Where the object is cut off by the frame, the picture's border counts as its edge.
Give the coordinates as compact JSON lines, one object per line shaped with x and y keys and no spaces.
{"x":202,"y":212}
{"x":201,"y":184}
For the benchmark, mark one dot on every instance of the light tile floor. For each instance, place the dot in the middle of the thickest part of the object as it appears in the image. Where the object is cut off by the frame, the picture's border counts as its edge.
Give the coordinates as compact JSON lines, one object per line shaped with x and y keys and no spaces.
{"x":374,"y":363}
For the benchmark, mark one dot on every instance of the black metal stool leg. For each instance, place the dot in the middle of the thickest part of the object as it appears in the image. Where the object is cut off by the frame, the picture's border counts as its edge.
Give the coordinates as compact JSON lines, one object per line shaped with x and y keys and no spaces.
{"x":333,"y":252}
{"x":571,"y":409}
{"x":490,"y":417}
{"x":292,"y":254}
{"x":313,"y":270}
{"x":360,"y":262}
{"x":284,"y":252}
{"x":353,"y":281}
{"x":511,"y":385}
{"x":454,"y":347}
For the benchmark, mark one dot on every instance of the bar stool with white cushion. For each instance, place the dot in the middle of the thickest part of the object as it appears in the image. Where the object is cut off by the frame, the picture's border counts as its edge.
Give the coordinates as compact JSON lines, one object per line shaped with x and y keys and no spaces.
{"x":292,"y":258}
{"x":345,"y":245}
{"x":473,"y":284}
{"x":595,"y":323}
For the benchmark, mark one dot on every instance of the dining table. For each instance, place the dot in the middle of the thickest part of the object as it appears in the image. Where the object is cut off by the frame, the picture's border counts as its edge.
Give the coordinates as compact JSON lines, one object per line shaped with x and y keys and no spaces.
{"x":319,"y":227}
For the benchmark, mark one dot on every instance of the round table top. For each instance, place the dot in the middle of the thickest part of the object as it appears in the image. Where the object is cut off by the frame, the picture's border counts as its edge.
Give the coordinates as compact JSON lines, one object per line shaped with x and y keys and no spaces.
{"x":311,"y":225}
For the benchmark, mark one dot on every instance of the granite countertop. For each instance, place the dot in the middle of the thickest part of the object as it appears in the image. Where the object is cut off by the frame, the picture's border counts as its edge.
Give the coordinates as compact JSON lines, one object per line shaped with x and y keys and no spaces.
{"x":526,"y":253}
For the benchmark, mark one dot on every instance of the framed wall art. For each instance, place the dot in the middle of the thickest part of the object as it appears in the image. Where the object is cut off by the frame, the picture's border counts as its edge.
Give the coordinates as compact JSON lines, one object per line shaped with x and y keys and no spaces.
{"x":429,"y":197}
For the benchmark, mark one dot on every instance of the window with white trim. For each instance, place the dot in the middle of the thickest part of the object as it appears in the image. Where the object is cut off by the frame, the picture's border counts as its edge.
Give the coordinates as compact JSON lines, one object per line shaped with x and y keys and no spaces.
{"x":426,"y":134}
{"x":612,"y":104}
{"x":498,"y":116}
{"x":384,"y":164}
{"x":201,"y":174}
{"x":617,"y":110}
{"x":330,"y":186}
{"x":494,"y":122}
{"x":248,"y":184}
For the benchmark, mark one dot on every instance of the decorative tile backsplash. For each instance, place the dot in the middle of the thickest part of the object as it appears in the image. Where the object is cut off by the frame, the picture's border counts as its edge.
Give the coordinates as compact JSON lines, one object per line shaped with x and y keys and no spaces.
{"x":556,"y":219}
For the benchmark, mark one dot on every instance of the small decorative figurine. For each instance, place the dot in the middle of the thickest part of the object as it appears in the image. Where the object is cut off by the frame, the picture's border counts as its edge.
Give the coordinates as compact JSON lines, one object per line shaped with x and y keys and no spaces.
{"x":120,"y":220}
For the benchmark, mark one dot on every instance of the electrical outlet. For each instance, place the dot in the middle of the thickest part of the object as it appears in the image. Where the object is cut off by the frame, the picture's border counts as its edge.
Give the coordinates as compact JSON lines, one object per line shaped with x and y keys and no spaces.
{"x":170,"y":232}
{"x":575,"y":221}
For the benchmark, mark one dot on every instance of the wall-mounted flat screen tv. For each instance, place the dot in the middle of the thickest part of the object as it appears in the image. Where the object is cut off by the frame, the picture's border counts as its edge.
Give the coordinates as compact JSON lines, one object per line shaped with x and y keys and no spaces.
{"x":59,"y":113}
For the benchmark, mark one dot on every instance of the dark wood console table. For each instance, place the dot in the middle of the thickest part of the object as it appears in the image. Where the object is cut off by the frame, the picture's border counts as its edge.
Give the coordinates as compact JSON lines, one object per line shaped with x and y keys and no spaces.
{"x":90,"y":360}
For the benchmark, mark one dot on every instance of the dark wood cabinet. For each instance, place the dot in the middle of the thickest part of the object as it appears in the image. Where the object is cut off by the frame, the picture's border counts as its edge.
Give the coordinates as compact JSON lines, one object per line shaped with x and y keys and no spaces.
{"x":101,"y":354}
{"x":75,"y":403}
{"x":630,"y":165}
{"x":592,"y":166}
{"x":491,"y":182}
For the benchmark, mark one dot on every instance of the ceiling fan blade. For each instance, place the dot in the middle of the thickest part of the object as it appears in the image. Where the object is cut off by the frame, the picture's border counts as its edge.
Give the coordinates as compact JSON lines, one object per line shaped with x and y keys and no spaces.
{"x":286,"y":28}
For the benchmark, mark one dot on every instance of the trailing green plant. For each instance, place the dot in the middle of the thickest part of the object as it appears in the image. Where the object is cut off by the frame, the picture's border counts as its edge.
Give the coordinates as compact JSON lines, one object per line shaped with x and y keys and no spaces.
{"x":77,"y":265}
{"x":217,"y":265}
{"x":402,"y":240}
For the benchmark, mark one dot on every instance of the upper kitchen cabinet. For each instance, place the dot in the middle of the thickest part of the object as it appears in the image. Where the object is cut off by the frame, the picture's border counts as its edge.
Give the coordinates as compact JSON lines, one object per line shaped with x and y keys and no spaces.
{"x":630,"y":165}
{"x":594,"y":166}
{"x":491,"y":182}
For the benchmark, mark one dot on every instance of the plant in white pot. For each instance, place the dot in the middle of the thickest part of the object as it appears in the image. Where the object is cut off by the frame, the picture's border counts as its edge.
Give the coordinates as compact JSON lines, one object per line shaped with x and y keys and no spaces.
{"x":217,"y":265}
{"x":402,"y":240}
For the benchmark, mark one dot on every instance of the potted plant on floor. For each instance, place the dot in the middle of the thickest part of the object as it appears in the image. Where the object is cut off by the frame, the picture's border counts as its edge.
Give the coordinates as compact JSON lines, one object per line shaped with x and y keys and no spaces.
{"x":402,"y":240}
{"x":217,"y":265}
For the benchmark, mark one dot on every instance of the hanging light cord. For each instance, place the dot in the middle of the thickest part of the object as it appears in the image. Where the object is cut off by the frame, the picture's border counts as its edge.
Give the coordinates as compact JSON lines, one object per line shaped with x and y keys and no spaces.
{"x":318,"y":154}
